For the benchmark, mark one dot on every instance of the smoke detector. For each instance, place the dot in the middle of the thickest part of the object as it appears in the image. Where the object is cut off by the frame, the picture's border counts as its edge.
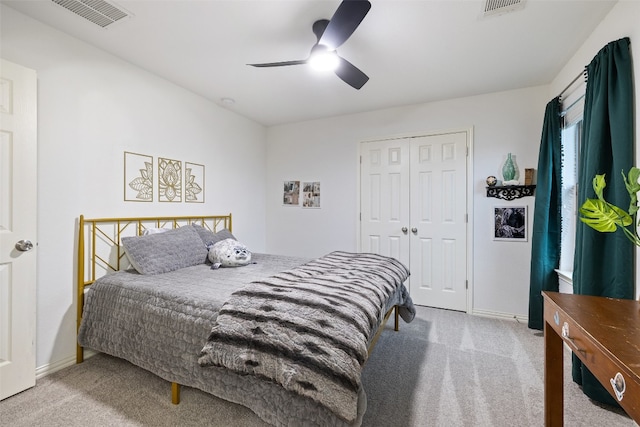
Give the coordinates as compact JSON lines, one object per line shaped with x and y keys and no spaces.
{"x":99,"y":12}
{"x":498,"y":7}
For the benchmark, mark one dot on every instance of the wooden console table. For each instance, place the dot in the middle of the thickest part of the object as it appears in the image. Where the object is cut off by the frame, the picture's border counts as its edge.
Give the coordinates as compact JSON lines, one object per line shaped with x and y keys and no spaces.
{"x":605,"y":334}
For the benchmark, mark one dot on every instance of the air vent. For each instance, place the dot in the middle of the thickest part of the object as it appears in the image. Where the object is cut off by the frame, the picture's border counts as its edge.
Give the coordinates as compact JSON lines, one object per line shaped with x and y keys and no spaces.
{"x":498,"y":7}
{"x":99,"y":12}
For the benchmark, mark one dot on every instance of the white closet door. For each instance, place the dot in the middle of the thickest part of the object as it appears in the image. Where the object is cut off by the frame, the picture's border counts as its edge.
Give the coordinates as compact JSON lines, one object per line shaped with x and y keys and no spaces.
{"x":18,"y":154}
{"x":439,"y":221}
{"x":384,"y":197}
{"x":413,"y":207}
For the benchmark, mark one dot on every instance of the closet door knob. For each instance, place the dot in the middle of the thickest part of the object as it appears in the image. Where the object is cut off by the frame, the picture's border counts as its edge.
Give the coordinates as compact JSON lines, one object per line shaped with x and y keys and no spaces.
{"x":414,"y":230}
{"x":404,"y":230}
{"x":24,"y":245}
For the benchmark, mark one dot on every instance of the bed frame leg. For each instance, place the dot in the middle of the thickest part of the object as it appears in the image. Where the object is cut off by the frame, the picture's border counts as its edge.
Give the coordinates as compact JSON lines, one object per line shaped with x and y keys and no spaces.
{"x":175,"y":393}
{"x":79,"y":354}
{"x":396,"y":318}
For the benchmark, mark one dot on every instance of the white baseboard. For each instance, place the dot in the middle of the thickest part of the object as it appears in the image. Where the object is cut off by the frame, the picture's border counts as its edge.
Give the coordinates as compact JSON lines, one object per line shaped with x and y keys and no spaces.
{"x":499,"y":315}
{"x":50,"y":368}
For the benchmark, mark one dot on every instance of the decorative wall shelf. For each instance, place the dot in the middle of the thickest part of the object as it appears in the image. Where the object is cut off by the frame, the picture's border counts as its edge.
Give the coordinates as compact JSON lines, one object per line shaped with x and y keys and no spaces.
{"x":510,"y":192}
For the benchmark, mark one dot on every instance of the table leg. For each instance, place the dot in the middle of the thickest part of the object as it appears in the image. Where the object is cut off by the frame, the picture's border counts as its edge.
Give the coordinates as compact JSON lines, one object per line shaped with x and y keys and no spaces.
{"x":553,"y":378}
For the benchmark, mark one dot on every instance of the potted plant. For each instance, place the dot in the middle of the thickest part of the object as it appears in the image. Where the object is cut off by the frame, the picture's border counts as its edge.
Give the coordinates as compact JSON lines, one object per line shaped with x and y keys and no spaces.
{"x":605,"y":217}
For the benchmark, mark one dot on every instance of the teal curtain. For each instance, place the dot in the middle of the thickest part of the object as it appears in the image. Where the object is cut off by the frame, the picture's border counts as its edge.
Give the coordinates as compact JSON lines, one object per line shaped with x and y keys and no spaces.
{"x":545,"y":240}
{"x":604,"y":262}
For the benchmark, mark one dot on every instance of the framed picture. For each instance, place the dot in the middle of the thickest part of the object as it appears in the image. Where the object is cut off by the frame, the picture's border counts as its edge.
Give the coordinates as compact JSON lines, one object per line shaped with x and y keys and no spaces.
{"x":510,"y":223}
{"x":311,"y":194}
{"x":291,"y":193}
{"x":138,"y":177}
{"x":169,"y":180}
{"x":193,"y":183}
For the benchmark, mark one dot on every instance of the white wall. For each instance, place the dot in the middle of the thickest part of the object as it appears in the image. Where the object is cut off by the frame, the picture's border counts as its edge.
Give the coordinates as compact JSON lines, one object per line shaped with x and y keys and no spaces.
{"x":91,"y":108}
{"x":622,"y":21}
{"x":327,"y":151}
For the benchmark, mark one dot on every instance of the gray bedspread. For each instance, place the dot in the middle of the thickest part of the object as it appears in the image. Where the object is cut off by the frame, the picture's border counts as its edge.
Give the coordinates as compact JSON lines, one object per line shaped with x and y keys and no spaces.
{"x":308,"y":328}
{"x":161,"y":323}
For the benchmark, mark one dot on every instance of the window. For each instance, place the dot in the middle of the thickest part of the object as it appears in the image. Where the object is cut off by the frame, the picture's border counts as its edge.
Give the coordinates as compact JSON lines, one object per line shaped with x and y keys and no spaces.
{"x":571,"y":137}
{"x":573,"y":108}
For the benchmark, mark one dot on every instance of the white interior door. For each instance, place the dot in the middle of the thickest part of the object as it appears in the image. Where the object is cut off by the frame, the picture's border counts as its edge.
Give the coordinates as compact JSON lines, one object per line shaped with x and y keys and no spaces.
{"x":18,"y":157}
{"x":413,"y":207}
{"x":439,"y":221}
{"x":384,"y":198}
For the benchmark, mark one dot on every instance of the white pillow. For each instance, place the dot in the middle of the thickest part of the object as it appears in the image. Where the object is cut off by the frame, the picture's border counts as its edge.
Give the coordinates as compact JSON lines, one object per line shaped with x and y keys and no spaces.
{"x":229,"y":253}
{"x":148,"y":231}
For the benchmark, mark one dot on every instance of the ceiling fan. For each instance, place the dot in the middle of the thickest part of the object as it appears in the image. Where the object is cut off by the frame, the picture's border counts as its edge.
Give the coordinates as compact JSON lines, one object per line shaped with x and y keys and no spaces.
{"x":331,"y":34}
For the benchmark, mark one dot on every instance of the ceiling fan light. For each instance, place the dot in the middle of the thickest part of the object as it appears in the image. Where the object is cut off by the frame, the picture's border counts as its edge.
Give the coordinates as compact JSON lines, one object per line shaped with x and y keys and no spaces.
{"x":324,"y":60}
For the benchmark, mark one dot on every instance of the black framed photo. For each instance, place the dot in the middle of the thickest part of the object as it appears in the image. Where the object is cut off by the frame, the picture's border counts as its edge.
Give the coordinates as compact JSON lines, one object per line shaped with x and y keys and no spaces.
{"x":510,"y":223}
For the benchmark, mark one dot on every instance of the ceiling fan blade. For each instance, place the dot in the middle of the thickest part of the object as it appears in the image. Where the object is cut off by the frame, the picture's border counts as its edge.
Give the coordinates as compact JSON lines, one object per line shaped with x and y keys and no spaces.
{"x":344,"y":22}
{"x":280,"y":64}
{"x":351,"y":74}
{"x":318,"y":28}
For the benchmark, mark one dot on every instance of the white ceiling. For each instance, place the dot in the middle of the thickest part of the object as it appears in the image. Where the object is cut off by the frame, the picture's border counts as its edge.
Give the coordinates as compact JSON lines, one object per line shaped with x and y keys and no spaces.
{"x":413,"y":51}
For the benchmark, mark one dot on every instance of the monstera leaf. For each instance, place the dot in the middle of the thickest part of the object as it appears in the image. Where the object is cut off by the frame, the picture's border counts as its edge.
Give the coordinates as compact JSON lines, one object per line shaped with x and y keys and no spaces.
{"x":605,"y":217}
{"x":632,"y":187}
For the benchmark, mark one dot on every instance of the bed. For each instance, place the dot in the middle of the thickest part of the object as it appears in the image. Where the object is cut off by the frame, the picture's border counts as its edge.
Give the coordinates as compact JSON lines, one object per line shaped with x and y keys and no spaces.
{"x":285,"y":336}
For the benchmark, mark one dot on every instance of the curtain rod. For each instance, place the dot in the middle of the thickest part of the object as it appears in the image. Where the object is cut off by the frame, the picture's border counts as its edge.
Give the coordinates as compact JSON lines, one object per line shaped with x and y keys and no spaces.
{"x":582,"y":73}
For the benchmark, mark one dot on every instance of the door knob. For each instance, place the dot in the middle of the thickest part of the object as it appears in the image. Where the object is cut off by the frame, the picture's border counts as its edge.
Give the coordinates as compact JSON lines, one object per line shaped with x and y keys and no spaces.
{"x":24,"y":245}
{"x":404,"y":230}
{"x":414,"y":230}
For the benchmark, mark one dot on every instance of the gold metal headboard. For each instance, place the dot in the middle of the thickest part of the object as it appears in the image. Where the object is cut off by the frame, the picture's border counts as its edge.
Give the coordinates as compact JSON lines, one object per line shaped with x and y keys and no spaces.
{"x":100,"y":250}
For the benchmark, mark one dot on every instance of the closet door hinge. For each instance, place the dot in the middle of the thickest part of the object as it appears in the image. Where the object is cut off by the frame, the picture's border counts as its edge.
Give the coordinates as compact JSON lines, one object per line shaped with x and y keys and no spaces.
{"x":466,"y":284}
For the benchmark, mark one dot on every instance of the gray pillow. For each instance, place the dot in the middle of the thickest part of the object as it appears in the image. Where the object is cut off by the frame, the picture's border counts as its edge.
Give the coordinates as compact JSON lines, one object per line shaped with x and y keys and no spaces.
{"x":209,"y":238}
{"x":164,"y":252}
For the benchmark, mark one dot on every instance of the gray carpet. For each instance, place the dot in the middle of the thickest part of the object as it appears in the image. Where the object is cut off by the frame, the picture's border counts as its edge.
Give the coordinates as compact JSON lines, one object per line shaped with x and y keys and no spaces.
{"x":444,"y":369}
